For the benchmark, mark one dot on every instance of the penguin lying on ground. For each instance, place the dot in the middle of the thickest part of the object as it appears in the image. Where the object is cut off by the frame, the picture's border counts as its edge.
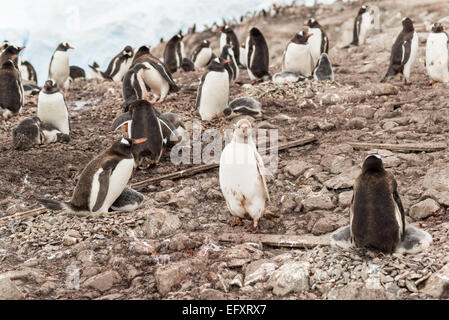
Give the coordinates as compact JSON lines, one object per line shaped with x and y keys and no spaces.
{"x":95,"y":72}
{"x":243,"y":106}
{"x":59,"y":69}
{"x":286,"y":77}
{"x":77,"y":73}
{"x":403,"y":52}
{"x":11,"y":90}
{"x":120,"y":64}
{"x":143,"y":120}
{"x":376,"y":215}
{"x":51,"y":107}
{"x":323,"y":69}
{"x":437,"y":54}
{"x":257,"y":55}
{"x":213,"y":91}
{"x":101,"y":182}
{"x":242,"y":176}
{"x":297,"y":56}
{"x":32,"y":131}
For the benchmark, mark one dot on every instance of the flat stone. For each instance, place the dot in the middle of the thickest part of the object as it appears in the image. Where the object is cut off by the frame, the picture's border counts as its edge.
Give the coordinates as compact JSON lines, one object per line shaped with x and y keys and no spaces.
{"x":160,"y":223}
{"x":423,"y":209}
{"x":318,"y":202}
{"x":103,"y":281}
{"x":9,"y":291}
{"x":290,"y":277}
{"x":344,"y":199}
{"x":297,"y":167}
{"x":437,"y":285}
{"x":344,"y":180}
{"x":258,"y":271}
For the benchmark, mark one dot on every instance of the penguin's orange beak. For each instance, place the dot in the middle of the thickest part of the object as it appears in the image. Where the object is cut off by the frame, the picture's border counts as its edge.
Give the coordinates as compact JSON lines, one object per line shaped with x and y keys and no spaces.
{"x":137,"y":141}
{"x":21,"y":48}
{"x":227,"y":61}
{"x":70,"y":47}
{"x":212,"y":40}
{"x":126,"y":126}
{"x":309,"y":34}
{"x":306,"y":24}
{"x":220,"y":28}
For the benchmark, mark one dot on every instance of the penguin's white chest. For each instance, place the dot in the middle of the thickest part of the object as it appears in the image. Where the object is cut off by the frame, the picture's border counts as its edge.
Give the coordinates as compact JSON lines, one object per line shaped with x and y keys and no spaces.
{"x":24,"y":73}
{"x":214,"y":95}
{"x":298,"y":59}
{"x":223,"y":40}
{"x":437,"y":57}
{"x":315,"y":43}
{"x":243,"y":56}
{"x":123,"y":68}
{"x":203,"y":57}
{"x":159,"y":86}
{"x":51,"y":108}
{"x":117,"y":182}
{"x":240,"y":182}
{"x":413,"y":55}
{"x":59,"y":69}
{"x":365,"y":25}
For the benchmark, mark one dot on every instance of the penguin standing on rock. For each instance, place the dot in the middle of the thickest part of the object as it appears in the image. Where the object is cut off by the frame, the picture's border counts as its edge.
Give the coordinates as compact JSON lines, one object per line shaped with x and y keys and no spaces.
{"x":11,"y":90}
{"x":228,"y":37}
{"x":323,"y":69}
{"x":101,"y":182}
{"x":173,"y":53}
{"x":376,"y":215}
{"x":120,"y":64}
{"x":257,"y":55}
{"x":362,"y":24}
{"x":437,"y":54}
{"x":213,"y":91}
{"x":403,"y":52}
{"x":202,"y":55}
{"x":242,"y":176}
{"x":318,"y":41}
{"x":51,"y":107}
{"x":297,"y":56}
{"x":59,"y":69}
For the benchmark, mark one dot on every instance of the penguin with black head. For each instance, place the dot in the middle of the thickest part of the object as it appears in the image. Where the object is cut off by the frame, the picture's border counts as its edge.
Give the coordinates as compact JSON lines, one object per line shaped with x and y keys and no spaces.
{"x":28,"y":72}
{"x":228,"y":37}
{"x":101,"y":182}
{"x":59,"y":69}
{"x":173,"y":53}
{"x":257,"y":55}
{"x":403,"y":52}
{"x":11,"y":52}
{"x":120,"y":64}
{"x":228,"y":54}
{"x":51,"y":107}
{"x":376,"y":215}
{"x":202,"y":55}
{"x":318,"y":41}
{"x":11,"y":90}
{"x":362,"y":24}
{"x":297,"y":56}
{"x":95,"y":72}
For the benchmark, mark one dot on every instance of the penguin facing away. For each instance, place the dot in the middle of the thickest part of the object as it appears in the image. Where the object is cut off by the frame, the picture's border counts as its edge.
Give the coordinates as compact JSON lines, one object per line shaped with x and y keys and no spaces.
{"x":11,"y":90}
{"x":173,"y":53}
{"x":213,"y":91}
{"x":297,"y":56}
{"x":120,"y":64}
{"x":101,"y":182}
{"x":77,"y":73}
{"x":243,"y":106}
{"x":51,"y":107}
{"x":59,"y":69}
{"x":323,"y":69}
{"x":437,"y":54}
{"x":403,"y":52}
{"x":32,"y":131}
{"x":318,"y":41}
{"x":242,"y":176}
{"x":257,"y":55}
{"x":202,"y":55}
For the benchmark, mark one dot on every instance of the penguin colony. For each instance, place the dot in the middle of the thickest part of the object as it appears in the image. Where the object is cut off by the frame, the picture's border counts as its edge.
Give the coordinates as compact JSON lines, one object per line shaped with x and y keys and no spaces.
{"x":377,"y":219}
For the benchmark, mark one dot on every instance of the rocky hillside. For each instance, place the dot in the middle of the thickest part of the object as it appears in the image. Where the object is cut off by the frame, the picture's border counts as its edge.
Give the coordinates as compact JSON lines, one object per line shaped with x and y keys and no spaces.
{"x":180,"y":245}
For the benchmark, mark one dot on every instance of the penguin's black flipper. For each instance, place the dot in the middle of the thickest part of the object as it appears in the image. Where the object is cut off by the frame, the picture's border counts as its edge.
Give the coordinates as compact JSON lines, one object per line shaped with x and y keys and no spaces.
{"x":103,"y":180}
{"x":165,"y":75}
{"x":129,"y":200}
{"x":341,"y":238}
{"x":121,"y":120}
{"x":168,"y":129}
{"x":415,"y":240}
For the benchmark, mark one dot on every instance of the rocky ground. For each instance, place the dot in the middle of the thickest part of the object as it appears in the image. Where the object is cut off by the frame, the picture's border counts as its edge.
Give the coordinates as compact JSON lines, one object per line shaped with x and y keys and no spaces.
{"x":173,"y":248}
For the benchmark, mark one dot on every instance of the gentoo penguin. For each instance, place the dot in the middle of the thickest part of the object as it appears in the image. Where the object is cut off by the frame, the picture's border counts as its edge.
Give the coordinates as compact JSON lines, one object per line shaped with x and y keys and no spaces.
{"x":403,"y":52}
{"x":323,"y":69}
{"x":59,"y":69}
{"x":101,"y":182}
{"x":187,"y":65}
{"x":257,"y":55}
{"x":318,"y":41}
{"x":173,"y":53}
{"x":31,"y":89}
{"x":297,"y":56}
{"x":11,"y":90}
{"x":243,"y":106}
{"x":133,"y":86}
{"x":243,"y":55}
{"x":27,"y":72}
{"x":51,"y":107}
{"x":142,"y":121}
{"x":286,"y":77}
{"x":77,"y":73}
{"x":437,"y":54}
{"x":32,"y":131}
{"x":95,"y":72}
{"x":228,"y":37}
{"x":128,"y":201}
{"x":228,"y":54}
{"x":120,"y":64}
{"x":202,"y":55}
{"x":376,"y":215}
{"x":11,"y":52}
{"x":362,"y":24}
{"x":213,"y":91}
{"x":241,"y":176}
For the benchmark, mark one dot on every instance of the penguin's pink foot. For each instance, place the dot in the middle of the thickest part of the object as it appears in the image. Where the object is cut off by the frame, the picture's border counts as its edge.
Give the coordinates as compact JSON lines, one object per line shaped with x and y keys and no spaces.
{"x":237,"y":222}
{"x":255,"y":227}
{"x":431,"y":82}
{"x":153,"y":100}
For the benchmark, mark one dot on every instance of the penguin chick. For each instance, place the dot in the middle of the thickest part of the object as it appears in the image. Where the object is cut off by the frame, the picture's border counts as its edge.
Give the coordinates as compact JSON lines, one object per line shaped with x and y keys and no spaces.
{"x":437,"y":54}
{"x":323,"y":69}
{"x":128,"y":201}
{"x":241,"y":175}
{"x":243,"y":106}
{"x":101,"y":182}
{"x":286,"y":77}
